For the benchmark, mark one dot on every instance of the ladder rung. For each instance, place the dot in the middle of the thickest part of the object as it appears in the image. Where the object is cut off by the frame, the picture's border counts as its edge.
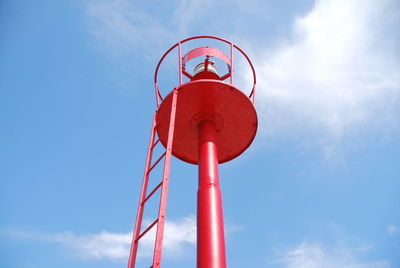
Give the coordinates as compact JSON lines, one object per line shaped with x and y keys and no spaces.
{"x":154,"y":144}
{"x":155,"y":164}
{"x":147,"y":229}
{"x":152,"y":192}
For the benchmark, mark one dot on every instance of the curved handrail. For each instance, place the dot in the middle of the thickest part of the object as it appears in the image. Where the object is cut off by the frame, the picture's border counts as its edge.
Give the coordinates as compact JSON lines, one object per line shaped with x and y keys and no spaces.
{"x":159,"y":97}
{"x":200,"y":51}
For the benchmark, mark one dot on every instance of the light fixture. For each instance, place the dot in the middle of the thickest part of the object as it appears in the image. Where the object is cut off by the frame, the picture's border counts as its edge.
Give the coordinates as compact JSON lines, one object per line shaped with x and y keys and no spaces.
{"x":210,"y":67}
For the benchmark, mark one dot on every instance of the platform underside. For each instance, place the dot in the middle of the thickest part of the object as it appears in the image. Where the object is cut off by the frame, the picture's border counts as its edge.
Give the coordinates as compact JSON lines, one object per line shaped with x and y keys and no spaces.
{"x":230,"y":109}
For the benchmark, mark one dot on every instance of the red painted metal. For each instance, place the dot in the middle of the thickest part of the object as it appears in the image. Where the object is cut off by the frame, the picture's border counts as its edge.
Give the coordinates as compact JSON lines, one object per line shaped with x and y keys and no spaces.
{"x":147,"y":229}
{"x":164,"y":191}
{"x":139,"y":216}
{"x":181,"y":64}
{"x":232,"y":111}
{"x":212,"y":122}
{"x":163,"y":185}
{"x":231,"y":67}
{"x":210,"y":224}
{"x":208,"y":52}
{"x":201,"y":51}
{"x":159,"y":97}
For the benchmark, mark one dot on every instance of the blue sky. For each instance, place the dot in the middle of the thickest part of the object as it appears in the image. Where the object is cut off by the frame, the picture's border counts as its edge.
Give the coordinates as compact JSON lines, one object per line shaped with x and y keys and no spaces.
{"x":319,"y":187}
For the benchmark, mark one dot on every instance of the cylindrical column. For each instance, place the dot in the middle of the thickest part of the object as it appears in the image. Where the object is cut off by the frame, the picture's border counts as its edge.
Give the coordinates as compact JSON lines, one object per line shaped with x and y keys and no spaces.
{"x":210,"y":223}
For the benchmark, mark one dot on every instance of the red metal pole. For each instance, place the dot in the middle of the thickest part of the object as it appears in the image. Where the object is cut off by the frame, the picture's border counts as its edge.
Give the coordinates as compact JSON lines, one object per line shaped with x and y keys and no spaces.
{"x":210,"y":224}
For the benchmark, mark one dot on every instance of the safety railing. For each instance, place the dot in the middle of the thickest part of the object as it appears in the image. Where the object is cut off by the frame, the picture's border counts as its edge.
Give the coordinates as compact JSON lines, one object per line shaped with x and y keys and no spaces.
{"x":200,"y":51}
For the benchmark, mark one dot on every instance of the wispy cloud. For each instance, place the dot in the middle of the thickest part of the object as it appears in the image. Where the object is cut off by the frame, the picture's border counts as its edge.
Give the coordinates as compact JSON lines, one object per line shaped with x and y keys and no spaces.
{"x":316,"y":255}
{"x":392,"y":229}
{"x":336,"y":75}
{"x":116,"y":246}
{"x":124,"y":28}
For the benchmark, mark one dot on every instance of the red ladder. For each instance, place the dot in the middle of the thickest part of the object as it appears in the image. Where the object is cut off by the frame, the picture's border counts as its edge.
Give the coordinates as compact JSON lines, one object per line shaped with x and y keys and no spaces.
{"x":163,"y":185}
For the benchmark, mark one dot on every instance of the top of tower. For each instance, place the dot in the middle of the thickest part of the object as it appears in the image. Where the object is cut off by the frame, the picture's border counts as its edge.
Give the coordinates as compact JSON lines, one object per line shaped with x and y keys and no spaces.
{"x":210,"y":53}
{"x":205,"y":95}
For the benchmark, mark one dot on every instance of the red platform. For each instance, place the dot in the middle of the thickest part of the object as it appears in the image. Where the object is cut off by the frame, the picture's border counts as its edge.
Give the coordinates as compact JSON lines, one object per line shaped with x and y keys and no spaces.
{"x":227,"y":106}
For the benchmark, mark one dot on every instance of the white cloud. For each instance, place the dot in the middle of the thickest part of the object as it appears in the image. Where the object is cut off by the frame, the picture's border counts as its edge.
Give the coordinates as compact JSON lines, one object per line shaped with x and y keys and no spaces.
{"x":124,"y":25}
{"x":103,"y":245}
{"x":315,"y":255}
{"x":124,"y":28}
{"x":392,"y":229}
{"x":337,"y":75}
{"x":116,"y":246}
{"x":176,"y":236}
{"x":188,"y":12}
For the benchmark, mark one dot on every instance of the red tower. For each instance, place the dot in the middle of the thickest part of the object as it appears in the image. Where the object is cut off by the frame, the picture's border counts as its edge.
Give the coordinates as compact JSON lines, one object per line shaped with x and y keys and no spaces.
{"x":204,"y":121}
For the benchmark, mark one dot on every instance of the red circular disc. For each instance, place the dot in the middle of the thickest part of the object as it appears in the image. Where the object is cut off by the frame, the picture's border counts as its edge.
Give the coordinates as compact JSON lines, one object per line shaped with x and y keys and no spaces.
{"x":230,"y":109}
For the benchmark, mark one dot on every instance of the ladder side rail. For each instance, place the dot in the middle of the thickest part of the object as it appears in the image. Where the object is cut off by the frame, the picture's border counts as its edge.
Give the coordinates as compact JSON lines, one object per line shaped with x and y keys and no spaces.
{"x":231,"y":70}
{"x":164,"y":191}
{"x":180,"y":62}
{"x":139,"y":216}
